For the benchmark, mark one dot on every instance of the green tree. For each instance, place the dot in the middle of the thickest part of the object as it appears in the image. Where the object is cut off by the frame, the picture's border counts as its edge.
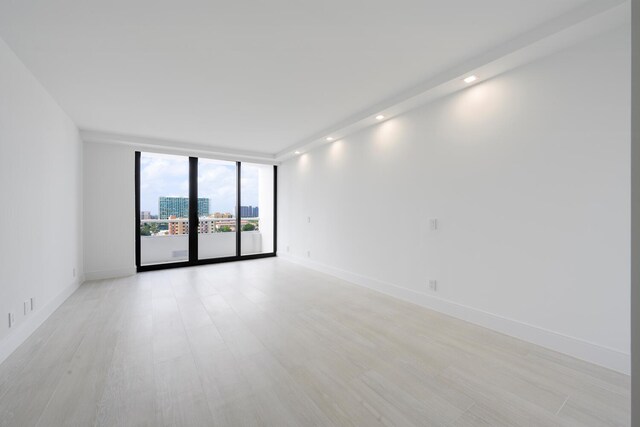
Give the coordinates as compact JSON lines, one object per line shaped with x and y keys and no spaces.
{"x":224,"y":229}
{"x":248,"y":227}
{"x":147,"y":229}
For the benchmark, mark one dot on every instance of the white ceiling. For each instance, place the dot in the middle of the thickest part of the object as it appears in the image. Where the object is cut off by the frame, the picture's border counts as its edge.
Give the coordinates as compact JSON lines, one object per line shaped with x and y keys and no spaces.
{"x":258,"y":76}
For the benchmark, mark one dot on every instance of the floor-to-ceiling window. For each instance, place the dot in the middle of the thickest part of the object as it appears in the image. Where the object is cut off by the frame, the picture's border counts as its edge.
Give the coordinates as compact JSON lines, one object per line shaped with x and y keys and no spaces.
{"x":256,"y":208}
{"x":217,"y":184}
{"x":194,"y":211}
{"x":164,"y":208}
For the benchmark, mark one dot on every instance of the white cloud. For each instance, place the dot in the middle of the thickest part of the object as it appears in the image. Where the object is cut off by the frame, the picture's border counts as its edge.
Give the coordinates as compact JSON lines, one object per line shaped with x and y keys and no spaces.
{"x":217,"y":182}
{"x":168,"y":175}
{"x":162,"y":175}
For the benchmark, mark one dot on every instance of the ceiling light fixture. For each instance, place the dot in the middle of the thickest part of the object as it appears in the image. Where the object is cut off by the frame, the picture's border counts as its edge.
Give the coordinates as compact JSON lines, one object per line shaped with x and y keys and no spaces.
{"x":297,"y":152}
{"x":471,"y":79}
{"x":379,"y":117}
{"x":329,"y":138}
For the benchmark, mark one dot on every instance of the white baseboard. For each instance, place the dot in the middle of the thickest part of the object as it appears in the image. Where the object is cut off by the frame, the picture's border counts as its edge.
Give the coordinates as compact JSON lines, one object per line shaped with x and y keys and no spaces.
{"x":24,"y":330}
{"x":109,"y":274}
{"x":575,"y":347}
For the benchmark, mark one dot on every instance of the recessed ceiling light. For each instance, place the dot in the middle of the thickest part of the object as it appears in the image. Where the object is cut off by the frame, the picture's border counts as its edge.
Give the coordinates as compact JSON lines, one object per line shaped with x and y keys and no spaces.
{"x":329,"y":138}
{"x":471,"y":79}
{"x":379,"y":117}
{"x":297,"y":152}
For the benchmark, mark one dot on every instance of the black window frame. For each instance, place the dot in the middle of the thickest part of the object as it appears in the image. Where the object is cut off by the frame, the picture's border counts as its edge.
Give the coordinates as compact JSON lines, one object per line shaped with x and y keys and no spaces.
{"x":193,"y":219}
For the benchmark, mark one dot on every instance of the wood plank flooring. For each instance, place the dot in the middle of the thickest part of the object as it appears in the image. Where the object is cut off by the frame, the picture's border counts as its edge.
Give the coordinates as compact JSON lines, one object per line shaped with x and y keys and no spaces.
{"x":270,"y":343}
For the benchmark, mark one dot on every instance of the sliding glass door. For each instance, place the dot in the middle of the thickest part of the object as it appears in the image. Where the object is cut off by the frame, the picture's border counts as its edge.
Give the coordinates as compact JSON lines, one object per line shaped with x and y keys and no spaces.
{"x":217,"y":184}
{"x":192,"y":211}
{"x":256,"y":208}
{"x":164,"y":209}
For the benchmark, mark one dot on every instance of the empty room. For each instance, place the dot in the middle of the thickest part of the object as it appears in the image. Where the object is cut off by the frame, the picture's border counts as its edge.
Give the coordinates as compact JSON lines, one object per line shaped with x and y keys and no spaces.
{"x":329,"y":213}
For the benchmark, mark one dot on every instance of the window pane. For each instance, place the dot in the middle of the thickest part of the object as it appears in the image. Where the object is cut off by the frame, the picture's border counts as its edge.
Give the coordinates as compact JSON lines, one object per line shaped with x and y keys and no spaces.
{"x":256,"y":210}
{"x":164,"y":208}
{"x":217,"y":226}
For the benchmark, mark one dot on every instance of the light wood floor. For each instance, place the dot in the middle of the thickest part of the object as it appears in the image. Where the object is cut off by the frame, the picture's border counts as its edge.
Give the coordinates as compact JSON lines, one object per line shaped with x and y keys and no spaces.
{"x":270,"y":343}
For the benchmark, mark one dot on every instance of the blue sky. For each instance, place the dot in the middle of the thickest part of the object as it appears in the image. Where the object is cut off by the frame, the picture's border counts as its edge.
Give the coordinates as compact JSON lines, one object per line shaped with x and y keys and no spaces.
{"x":168,"y":175}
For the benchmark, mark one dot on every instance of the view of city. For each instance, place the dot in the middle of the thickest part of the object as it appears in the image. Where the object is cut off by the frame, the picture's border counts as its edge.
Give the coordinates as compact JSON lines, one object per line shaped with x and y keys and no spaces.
{"x":173,"y":218}
{"x":165,"y":205}
{"x":164,"y":209}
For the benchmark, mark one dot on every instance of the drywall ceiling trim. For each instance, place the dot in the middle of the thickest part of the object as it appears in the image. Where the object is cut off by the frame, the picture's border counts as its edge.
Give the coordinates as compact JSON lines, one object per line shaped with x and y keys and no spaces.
{"x":595,"y":17}
{"x":586,"y":22}
{"x":176,"y":147}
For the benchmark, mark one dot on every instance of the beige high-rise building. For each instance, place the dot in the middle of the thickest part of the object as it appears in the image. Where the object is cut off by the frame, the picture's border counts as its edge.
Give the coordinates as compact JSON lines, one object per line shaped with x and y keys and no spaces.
{"x":178,"y":225}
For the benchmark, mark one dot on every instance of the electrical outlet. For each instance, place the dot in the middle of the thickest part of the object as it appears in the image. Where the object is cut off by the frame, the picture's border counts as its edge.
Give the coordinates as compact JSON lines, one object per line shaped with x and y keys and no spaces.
{"x":433,"y":224}
{"x":33,"y":303}
{"x":308,"y":254}
{"x":433,"y":285}
{"x":12,"y":319}
{"x":309,"y":219}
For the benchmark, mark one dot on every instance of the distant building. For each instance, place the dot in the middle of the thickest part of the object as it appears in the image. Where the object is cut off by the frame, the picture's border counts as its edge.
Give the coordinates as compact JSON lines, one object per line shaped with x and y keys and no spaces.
{"x":249,"y":212}
{"x":222,"y":215}
{"x":178,"y":226}
{"x":179,"y":207}
{"x":145,"y":215}
{"x":206,"y":226}
{"x":210,"y":225}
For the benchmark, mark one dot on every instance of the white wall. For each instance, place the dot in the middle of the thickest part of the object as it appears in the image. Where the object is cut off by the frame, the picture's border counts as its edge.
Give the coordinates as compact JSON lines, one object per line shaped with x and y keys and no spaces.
{"x":109,"y":217}
{"x":635,"y":219}
{"x":41,"y":193}
{"x":528,"y":174}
